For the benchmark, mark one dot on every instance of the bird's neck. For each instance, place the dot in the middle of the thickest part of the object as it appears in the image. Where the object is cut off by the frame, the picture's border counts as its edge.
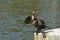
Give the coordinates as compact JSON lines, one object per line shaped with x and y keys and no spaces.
{"x":32,"y":17}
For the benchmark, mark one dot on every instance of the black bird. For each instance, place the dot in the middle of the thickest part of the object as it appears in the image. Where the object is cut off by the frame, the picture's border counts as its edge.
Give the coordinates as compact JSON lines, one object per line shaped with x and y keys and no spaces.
{"x":37,"y":22}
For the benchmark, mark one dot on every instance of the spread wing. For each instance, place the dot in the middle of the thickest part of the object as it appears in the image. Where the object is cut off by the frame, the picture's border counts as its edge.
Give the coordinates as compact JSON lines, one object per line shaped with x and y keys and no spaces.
{"x":27,"y":20}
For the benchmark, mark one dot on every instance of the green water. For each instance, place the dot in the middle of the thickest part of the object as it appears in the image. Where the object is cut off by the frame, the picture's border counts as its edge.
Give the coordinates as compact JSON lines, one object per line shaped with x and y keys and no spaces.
{"x":13,"y":13}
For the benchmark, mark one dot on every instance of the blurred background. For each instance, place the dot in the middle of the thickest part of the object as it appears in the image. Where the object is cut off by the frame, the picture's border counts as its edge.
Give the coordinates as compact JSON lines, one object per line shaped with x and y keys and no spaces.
{"x":13,"y":13}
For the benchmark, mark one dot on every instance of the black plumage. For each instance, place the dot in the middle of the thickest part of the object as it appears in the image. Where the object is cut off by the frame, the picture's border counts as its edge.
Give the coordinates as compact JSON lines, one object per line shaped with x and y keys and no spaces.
{"x":39,"y":23}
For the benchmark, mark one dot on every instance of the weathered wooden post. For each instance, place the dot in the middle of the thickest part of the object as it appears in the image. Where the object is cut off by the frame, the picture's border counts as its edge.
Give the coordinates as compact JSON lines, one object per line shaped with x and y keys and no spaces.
{"x":38,"y":36}
{"x":54,"y":34}
{"x":35,"y":36}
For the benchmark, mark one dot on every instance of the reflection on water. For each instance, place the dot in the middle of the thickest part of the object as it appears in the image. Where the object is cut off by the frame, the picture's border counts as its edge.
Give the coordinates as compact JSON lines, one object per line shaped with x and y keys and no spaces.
{"x":13,"y":12}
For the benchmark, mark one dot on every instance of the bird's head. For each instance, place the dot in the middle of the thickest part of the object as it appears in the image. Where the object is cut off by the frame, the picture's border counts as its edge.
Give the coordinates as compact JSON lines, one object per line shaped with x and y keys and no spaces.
{"x":29,"y":19}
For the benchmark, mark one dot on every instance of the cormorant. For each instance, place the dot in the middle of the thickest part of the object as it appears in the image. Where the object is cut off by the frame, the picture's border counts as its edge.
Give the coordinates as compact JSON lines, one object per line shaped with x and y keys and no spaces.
{"x":37,"y":22}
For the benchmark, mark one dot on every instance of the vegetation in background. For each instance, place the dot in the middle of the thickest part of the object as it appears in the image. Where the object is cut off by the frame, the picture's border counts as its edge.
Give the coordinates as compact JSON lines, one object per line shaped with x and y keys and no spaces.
{"x":23,"y":7}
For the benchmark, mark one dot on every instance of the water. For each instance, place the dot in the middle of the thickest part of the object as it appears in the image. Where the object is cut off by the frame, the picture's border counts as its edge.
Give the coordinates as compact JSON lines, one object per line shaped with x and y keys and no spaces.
{"x":13,"y":12}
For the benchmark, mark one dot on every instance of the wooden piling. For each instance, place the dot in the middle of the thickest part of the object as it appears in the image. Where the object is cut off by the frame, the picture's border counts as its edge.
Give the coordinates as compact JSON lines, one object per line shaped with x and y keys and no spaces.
{"x":35,"y":36}
{"x":38,"y":36}
{"x":54,"y":35}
